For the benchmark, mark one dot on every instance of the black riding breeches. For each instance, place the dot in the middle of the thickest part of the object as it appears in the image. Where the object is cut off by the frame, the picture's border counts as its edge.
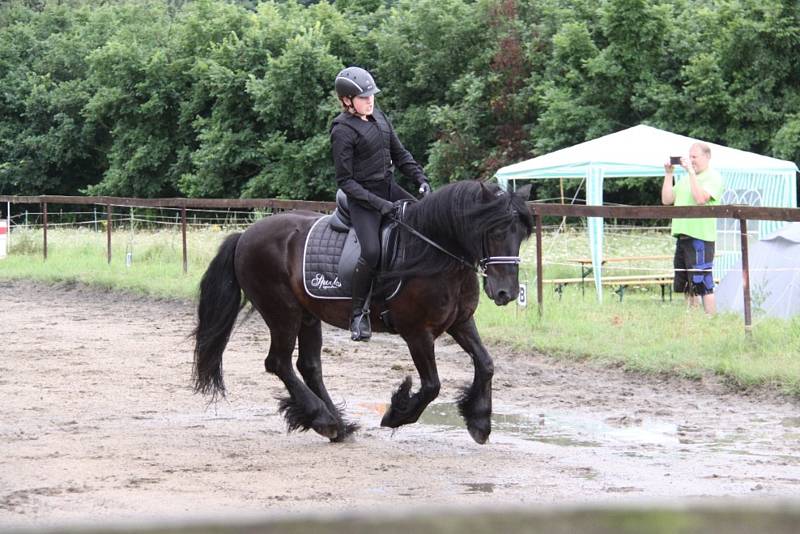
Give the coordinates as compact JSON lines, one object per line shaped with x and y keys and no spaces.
{"x":367,"y":222}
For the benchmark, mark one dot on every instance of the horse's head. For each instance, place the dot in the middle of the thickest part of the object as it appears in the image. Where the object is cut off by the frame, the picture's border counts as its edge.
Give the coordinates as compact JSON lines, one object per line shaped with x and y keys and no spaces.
{"x":501,"y":243}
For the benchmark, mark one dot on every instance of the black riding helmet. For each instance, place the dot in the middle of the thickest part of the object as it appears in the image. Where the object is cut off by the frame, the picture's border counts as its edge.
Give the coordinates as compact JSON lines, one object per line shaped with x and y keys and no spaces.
{"x":355,"y":81}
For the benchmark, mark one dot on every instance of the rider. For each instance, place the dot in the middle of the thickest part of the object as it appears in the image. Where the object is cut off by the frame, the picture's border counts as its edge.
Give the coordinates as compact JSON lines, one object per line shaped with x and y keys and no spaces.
{"x":365,"y":151}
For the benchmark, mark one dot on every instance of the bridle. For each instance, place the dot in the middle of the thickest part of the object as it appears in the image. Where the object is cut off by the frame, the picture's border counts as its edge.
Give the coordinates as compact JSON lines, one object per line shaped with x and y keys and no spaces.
{"x":480,"y":268}
{"x":496,"y":260}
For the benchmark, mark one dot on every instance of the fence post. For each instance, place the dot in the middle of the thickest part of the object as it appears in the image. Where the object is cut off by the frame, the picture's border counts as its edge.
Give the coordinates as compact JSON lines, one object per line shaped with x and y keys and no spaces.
{"x":108,"y":232}
{"x":44,"y":228}
{"x":745,"y":277}
{"x":183,"y":235}
{"x":539,"y":287}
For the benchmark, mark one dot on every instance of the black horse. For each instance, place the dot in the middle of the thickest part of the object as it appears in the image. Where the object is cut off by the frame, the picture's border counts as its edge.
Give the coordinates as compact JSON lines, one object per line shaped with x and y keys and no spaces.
{"x":481,"y":229}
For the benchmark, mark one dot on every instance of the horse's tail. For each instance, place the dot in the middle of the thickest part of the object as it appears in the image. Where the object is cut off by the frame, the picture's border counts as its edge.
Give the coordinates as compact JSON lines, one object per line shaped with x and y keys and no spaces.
{"x":220,"y":303}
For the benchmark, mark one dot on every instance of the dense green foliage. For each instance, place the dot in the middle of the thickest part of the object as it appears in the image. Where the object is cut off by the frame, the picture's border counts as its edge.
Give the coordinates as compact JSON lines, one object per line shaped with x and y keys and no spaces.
{"x":214,"y":98}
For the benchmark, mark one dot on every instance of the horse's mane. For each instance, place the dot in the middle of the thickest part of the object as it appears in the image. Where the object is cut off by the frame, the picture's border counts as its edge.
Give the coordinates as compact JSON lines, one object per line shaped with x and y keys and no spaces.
{"x":456,"y":217}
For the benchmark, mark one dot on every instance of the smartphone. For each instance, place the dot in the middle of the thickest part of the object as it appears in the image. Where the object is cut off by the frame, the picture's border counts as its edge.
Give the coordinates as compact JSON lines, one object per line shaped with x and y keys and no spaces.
{"x":674,"y":160}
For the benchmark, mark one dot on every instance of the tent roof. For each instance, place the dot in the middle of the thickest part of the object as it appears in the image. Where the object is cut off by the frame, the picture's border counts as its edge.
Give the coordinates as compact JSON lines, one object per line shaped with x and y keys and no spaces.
{"x":637,"y":151}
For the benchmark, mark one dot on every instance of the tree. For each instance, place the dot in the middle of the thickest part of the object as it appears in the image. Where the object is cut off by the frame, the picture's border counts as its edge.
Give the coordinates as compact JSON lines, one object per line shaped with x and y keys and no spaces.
{"x":294,"y":103}
{"x":46,"y":144}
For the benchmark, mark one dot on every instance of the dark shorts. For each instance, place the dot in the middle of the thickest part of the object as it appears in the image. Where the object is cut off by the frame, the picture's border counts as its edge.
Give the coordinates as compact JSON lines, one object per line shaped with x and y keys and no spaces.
{"x":694,"y":259}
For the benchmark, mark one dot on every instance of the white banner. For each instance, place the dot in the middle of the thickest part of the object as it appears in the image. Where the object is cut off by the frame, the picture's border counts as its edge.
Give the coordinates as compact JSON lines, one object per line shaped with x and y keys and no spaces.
{"x":522,"y":299}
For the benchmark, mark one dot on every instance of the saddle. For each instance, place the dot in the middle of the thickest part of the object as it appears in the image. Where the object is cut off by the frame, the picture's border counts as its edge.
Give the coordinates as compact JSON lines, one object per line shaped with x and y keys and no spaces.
{"x":332,"y":250}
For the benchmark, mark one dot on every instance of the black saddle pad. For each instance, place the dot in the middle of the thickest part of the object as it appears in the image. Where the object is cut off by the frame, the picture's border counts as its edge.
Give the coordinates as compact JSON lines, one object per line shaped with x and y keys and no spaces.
{"x":329,"y":257}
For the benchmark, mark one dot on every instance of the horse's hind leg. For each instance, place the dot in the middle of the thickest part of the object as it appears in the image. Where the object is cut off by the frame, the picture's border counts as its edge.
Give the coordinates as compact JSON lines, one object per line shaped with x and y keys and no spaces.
{"x":303,"y":409}
{"x":475,"y":404}
{"x":309,"y":363}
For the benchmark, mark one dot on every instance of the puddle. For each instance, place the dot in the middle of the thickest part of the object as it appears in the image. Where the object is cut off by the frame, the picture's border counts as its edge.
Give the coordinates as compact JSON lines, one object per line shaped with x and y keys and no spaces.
{"x":791,"y":422}
{"x":639,"y":437}
{"x":558,"y":429}
{"x":479,"y":487}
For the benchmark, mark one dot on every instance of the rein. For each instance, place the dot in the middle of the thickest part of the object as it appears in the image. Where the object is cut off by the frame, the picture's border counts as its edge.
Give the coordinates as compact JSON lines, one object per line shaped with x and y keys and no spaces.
{"x":482,"y":263}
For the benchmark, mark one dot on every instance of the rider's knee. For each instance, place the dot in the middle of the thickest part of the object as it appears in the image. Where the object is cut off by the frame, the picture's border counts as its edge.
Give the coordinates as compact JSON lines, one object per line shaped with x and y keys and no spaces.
{"x":371,"y":256}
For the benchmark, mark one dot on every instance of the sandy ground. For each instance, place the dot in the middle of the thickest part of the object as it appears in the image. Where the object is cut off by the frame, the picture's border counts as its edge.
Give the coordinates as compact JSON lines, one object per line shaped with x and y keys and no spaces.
{"x":99,"y":424}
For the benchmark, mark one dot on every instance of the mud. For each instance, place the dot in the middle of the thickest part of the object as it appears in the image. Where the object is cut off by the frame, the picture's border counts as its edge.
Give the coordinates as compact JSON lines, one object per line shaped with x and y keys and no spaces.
{"x":99,"y":424}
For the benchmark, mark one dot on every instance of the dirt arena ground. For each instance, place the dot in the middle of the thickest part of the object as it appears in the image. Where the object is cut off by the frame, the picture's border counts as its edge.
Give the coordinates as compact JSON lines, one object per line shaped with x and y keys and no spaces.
{"x":99,"y":424}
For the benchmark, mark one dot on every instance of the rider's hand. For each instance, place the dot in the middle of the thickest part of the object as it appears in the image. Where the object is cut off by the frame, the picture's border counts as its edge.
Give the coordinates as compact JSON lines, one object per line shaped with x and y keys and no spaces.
{"x":387,"y":208}
{"x":425,"y":189}
{"x":392,"y":210}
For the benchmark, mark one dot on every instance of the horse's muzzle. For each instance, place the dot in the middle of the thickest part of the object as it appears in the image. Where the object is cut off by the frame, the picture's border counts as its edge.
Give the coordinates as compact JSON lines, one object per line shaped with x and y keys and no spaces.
{"x":503,"y":297}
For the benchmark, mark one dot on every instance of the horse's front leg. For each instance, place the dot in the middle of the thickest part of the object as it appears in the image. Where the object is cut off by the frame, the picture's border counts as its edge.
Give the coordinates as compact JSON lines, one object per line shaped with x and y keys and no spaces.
{"x":405,"y":407}
{"x":475,"y":403}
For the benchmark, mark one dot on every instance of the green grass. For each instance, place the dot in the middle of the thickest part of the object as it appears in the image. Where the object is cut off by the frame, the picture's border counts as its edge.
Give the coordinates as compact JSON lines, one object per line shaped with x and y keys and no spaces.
{"x":641,"y":333}
{"x":80,"y":256}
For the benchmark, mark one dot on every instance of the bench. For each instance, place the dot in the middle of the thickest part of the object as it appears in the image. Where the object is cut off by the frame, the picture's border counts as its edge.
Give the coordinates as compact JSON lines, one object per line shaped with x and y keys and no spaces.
{"x":621,"y":282}
{"x":663,"y":280}
{"x":586,"y":270}
{"x":586,"y":263}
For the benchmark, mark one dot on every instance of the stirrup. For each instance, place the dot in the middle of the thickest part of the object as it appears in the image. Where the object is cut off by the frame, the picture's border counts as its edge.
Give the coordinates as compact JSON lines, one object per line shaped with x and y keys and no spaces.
{"x":360,"y":328}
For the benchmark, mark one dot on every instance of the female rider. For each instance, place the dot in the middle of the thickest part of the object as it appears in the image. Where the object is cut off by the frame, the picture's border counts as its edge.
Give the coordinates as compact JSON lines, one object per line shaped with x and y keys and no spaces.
{"x":365,"y":152}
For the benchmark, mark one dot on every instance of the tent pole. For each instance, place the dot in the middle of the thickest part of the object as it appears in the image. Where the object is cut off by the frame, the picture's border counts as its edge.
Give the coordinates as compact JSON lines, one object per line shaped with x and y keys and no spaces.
{"x":745,"y":277}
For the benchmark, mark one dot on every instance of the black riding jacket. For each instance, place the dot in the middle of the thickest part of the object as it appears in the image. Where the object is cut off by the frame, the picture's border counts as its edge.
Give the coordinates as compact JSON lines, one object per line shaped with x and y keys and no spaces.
{"x":364,"y":156}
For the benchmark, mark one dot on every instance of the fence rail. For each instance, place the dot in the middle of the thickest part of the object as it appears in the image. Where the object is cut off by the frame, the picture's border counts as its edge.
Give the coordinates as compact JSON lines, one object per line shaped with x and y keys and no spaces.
{"x":742,"y":213}
{"x":189,"y":203}
{"x":177,"y":203}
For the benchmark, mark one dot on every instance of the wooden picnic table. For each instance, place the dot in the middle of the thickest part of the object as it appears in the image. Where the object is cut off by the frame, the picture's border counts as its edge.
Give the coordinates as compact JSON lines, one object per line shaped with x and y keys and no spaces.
{"x":621,"y":282}
{"x":586,"y":265}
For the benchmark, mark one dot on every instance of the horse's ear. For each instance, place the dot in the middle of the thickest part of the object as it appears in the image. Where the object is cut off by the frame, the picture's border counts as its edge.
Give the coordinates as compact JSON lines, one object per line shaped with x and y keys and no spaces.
{"x":487,"y":194}
{"x":524,"y":192}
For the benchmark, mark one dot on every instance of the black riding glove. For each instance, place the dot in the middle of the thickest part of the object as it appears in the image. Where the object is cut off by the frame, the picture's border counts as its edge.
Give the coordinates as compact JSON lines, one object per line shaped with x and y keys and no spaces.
{"x":392,"y":210}
{"x":386,"y":208}
{"x":425,"y":189}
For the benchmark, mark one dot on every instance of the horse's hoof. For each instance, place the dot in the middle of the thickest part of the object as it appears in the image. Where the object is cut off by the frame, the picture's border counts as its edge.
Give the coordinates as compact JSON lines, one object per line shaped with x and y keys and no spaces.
{"x":388,"y":419}
{"x":479,"y":434}
{"x":346,"y":433}
{"x":344,"y":438}
{"x":327,"y":431}
{"x":325,"y":425}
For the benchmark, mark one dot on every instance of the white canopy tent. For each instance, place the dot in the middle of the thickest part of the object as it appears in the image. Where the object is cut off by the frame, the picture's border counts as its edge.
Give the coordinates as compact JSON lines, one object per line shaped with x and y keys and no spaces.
{"x":641,"y":151}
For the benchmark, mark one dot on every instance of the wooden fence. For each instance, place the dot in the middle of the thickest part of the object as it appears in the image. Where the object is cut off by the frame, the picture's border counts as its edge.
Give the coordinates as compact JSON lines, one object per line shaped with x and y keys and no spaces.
{"x":741,"y":213}
{"x":176,"y":203}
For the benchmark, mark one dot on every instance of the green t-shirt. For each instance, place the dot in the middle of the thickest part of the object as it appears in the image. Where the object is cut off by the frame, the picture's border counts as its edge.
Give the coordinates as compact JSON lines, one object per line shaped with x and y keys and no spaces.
{"x":705,"y":229}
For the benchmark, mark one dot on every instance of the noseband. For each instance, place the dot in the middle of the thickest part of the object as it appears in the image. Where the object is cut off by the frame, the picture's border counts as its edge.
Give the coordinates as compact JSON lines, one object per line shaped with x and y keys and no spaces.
{"x":498,"y":260}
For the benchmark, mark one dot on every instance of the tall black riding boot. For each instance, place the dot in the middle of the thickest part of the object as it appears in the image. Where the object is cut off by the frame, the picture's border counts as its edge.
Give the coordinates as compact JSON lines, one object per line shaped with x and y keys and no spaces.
{"x":360,"y":328}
